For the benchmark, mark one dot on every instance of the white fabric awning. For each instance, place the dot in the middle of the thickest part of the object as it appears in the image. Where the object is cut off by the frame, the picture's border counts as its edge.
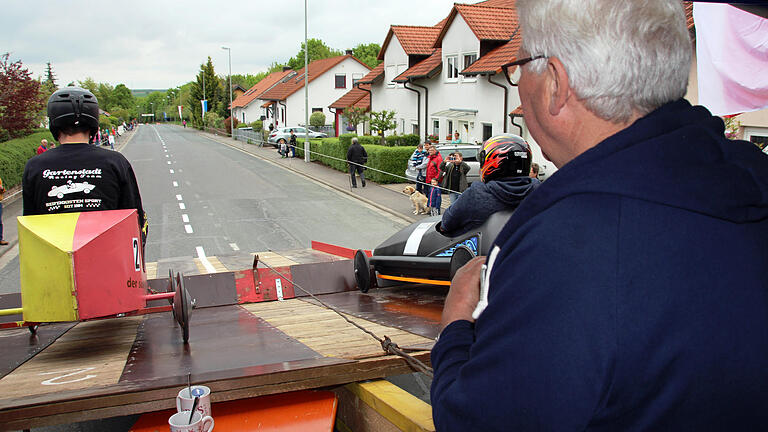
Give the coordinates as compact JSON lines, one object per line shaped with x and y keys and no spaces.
{"x":457,"y":113}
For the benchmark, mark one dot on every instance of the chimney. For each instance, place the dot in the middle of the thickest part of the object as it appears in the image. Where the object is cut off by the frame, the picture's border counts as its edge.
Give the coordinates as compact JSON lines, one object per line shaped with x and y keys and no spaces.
{"x":286,"y":68}
{"x":349,"y":52}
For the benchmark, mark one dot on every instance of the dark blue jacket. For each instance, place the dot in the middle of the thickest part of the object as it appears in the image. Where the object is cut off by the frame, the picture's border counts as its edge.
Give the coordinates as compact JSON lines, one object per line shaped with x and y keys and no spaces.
{"x":481,"y":200}
{"x":435,"y":199}
{"x":630,"y":293}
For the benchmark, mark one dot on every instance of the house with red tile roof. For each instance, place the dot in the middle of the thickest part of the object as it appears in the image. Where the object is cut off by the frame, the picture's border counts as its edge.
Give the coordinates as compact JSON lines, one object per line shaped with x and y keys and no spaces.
{"x":328,"y":79}
{"x":358,"y":97}
{"x":247,"y":107}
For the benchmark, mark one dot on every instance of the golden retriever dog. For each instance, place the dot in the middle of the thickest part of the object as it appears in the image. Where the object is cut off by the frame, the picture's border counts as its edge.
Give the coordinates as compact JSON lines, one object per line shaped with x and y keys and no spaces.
{"x":418,"y":199}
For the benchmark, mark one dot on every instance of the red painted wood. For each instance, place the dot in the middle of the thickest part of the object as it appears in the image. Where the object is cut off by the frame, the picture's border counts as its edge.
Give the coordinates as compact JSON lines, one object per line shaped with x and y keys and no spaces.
{"x":106,"y":280}
{"x":336,"y":250}
{"x":265,"y":278}
{"x":247,"y":291}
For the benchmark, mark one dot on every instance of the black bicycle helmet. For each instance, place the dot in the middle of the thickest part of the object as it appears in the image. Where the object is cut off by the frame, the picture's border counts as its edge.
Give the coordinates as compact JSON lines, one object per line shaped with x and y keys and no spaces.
{"x":504,"y":156}
{"x":72,"y":107}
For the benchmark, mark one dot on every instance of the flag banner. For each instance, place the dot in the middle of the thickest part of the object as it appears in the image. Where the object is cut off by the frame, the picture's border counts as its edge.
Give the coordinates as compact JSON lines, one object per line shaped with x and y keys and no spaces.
{"x":205,"y":106}
{"x":180,"y":108}
{"x":731,"y":54}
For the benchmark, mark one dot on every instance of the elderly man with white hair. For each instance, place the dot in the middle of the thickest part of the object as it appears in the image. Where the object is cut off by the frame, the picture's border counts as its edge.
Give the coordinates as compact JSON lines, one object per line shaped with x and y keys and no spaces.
{"x":630,"y":292}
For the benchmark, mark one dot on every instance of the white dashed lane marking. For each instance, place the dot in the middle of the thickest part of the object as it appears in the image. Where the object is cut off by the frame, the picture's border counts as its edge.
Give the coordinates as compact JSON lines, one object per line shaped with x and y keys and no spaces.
{"x":175,"y":184}
{"x":178,"y":197}
{"x":188,"y":228}
{"x":182,"y":206}
{"x":234,"y":246}
{"x":204,"y":260}
{"x":185,"y":218}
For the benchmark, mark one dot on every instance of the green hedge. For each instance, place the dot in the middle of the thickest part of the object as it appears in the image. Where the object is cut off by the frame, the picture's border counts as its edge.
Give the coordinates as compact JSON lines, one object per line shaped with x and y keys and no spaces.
{"x":14,"y":155}
{"x":387,"y":159}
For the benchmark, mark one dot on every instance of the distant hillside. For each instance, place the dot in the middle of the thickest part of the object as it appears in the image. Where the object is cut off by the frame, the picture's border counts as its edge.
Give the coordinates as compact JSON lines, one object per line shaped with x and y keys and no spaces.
{"x":144,"y":92}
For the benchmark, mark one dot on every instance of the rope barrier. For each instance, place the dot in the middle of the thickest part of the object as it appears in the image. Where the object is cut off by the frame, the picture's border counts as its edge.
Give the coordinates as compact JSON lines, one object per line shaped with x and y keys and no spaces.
{"x":387,"y":345}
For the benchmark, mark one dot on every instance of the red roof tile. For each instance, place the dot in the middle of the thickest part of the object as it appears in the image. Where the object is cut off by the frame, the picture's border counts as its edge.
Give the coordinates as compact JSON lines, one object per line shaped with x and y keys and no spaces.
{"x":291,"y":85}
{"x":364,"y":103}
{"x":415,"y":40}
{"x":491,"y":63}
{"x":487,"y":23}
{"x":518,"y":112}
{"x":504,"y":4}
{"x":423,"y":69}
{"x":688,"y":6}
{"x":373,"y":76}
{"x":349,"y":99}
{"x":260,"y":87}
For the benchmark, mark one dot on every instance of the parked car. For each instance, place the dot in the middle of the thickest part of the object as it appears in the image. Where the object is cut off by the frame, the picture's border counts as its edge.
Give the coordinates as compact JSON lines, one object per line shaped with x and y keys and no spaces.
{"x":468,"y":152}
{"x":283,"y":134}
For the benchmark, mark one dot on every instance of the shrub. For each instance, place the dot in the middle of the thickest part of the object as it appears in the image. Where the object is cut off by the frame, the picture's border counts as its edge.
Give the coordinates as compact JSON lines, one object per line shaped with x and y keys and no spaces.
{"x":14,"y":155}
{"x":317,"y":119}
{"x":258,"y":125}
{"x":402,"y":140}
{"x":346,"y":139}
{"x":333,"y":152}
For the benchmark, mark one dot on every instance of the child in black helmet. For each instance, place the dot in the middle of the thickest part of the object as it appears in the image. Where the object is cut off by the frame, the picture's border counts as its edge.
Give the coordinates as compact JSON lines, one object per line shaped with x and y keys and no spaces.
{"x":505,"y":162}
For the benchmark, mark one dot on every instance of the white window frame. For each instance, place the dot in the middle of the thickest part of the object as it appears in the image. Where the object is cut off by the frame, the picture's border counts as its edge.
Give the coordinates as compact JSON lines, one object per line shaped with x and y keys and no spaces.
{"x":436,"y":127}
{"x":390,"y":72}
{"x":465,"y":65}
{"x":451,"y":65}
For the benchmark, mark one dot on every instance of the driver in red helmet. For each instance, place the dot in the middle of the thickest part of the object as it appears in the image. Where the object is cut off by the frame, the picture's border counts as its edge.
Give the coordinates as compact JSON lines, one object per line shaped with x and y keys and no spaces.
{"x":505,"y":162}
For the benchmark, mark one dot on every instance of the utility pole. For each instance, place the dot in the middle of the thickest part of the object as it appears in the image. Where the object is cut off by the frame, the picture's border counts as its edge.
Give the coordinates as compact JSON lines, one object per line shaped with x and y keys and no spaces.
{"x":231,"y":118}
{"x":306,"y":88}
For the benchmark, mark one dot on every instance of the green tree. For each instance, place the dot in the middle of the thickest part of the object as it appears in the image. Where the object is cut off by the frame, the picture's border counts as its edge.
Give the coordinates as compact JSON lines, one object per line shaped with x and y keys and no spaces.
{"x":317,"y":51}
{"x":89,"y":84}
{"x":355,"y":116}
{"x":206,"y":78}
{"x":122,"y":97}
{"x":367,"y":54}
{"x":20,"y":103}
{"x":317,"y":119}
{"x":382,"y":121}
{"x":104,"y":95}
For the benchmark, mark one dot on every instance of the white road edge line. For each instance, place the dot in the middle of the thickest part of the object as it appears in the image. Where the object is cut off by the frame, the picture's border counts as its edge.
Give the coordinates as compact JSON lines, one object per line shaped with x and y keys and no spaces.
{"x":201,"y":255}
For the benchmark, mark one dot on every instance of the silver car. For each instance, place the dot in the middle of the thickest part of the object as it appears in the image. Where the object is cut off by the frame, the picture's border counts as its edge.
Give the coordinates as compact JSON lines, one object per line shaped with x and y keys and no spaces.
{"x":283,"y":134}
{"x":468,"y":152}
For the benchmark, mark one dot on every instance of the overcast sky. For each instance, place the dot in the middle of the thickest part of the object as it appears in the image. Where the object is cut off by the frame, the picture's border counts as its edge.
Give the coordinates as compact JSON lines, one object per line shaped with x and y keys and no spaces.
{"x":160,"y":44}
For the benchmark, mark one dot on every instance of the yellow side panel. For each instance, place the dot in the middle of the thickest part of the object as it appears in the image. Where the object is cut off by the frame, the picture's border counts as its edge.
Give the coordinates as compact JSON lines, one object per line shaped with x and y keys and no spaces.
{"x":47,"y":273}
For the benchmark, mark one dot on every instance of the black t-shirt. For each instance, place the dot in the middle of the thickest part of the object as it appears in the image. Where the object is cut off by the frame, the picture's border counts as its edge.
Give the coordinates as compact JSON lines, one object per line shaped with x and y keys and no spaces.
{"x":80,"y":178}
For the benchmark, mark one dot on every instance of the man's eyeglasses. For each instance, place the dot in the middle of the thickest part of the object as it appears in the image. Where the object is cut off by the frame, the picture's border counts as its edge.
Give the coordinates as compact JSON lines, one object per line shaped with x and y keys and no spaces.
{"x":509,"y":67}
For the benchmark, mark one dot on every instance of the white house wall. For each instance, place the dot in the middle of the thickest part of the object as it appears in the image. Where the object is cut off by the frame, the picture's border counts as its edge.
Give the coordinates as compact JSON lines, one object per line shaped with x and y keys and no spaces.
{"x":322,"y":92}
{"x":394,"y":97}
{"x":472,"y":93}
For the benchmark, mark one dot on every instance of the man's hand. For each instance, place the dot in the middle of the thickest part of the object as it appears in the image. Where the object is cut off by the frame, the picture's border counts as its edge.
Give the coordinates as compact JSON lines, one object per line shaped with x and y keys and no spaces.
{"x":464,"y":293}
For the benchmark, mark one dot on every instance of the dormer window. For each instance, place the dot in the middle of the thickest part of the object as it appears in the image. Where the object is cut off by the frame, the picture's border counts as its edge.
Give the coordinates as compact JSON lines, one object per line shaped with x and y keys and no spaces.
{"x":341,"y":81}
{"x":468,"y":60}
{"x":452,"y":68}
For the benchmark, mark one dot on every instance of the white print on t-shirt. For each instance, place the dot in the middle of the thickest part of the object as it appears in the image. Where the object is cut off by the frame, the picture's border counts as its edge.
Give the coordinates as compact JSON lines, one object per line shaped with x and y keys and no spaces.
{"x":72,"y":174}
{"x":70,"y":187}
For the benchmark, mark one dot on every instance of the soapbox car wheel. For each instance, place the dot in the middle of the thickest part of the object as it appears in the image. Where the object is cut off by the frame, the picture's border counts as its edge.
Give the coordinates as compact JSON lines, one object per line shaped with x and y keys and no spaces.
{"x":362,"y":271}
{"x":182,"y":304}
{"x":461,"y":256}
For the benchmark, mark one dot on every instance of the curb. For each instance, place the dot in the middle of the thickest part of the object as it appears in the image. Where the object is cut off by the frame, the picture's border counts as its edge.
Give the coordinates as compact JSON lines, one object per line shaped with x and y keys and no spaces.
{"x":323,"y":182}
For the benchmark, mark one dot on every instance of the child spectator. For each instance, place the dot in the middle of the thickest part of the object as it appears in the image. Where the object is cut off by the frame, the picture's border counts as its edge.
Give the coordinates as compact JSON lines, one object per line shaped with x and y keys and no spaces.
{"x":418,"y":162}
{"x":505,"y":162}
{"x":435,"y":198}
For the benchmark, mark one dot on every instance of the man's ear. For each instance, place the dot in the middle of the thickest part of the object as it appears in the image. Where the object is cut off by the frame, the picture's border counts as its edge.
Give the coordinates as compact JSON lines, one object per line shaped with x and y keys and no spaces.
{"x":559,"y":88}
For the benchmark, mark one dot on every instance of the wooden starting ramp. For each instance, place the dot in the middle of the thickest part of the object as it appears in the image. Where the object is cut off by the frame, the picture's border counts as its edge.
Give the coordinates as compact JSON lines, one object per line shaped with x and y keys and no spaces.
{"x":252,"y":335}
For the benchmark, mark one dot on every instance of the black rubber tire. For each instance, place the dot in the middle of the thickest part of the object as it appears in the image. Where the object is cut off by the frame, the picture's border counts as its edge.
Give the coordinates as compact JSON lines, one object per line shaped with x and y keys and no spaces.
{"x":362,"y":268}
{"x":33,"y":329}
{"x":461,"y":256}
{"x":182,"y":304}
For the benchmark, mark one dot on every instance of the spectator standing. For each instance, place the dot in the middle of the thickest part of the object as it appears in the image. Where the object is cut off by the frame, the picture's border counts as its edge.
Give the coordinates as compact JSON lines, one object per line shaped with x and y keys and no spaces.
{"x":184,"y":122}
{"x":434,"y":160}
{"x":454,"y":175}
{"x":356,"y":159}
{"x":418,"y":162}
{"x":434,"y":200}
{"x":43,"y":146}
{"x":629,"y":292}
{"x":292,"y":144}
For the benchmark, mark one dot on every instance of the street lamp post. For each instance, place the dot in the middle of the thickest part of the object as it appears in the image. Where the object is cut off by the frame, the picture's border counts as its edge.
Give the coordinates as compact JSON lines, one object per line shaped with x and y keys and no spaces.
{"x":231,"y":118}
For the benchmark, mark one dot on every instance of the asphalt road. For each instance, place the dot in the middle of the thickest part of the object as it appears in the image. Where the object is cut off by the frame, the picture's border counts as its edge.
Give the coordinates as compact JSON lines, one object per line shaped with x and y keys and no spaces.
{"x":206,"y":198}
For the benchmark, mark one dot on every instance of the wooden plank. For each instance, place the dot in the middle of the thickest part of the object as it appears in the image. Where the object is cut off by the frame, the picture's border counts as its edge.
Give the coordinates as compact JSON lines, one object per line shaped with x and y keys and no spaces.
{"x":64,"y":366}
{"x":326,"y":332}
{"x":405,"y":411}
{"x":354,"y":415}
